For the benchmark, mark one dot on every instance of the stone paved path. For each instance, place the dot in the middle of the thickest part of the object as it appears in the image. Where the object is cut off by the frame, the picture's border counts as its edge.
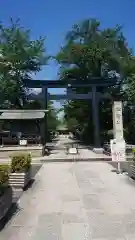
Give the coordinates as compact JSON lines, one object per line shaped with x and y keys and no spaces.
{"x":59,"y":153}
{"x":75,"y":201}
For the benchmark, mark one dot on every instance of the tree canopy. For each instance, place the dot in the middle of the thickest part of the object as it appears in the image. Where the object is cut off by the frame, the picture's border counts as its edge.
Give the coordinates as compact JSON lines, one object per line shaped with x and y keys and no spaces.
{"x":91,"y":51}
{"x":20,"y":57}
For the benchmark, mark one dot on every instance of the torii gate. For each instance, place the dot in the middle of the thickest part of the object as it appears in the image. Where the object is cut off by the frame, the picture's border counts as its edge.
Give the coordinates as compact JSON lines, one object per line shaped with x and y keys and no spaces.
{"x":94,"y":95}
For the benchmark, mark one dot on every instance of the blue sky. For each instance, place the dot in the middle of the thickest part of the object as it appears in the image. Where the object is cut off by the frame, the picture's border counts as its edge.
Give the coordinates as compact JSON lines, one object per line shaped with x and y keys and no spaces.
{"x":53,"y":18}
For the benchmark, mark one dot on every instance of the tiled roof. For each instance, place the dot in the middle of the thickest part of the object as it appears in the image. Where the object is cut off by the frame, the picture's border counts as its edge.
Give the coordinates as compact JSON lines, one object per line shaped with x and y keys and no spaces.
{"x":22,"y":114}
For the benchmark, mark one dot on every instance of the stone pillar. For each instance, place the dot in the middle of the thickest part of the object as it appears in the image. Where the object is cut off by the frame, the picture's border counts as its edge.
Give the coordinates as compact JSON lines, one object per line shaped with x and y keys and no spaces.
{"x":120,"y":146}
{"x":44,"y":122}
{"x":95,"y":112}
{"x":117,"y":121}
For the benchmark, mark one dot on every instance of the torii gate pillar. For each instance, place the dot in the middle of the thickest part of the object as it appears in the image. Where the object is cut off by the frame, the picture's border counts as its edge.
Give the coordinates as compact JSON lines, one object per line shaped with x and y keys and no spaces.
{"x":95,"y":110}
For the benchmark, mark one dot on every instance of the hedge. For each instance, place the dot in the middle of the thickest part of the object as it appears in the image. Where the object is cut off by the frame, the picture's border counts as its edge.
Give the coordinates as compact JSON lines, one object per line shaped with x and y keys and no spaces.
{"x":20,"y":163}
{"x":4,"y":178}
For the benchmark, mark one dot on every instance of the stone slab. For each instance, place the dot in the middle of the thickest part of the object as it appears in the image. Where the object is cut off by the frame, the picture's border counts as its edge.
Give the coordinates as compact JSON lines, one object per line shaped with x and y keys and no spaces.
{"x":98,"y":150}
{"x":75,"y":200}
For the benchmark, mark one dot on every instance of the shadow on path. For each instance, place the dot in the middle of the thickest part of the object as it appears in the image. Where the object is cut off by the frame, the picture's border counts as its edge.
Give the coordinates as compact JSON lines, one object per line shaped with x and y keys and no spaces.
{"x":16,"y":195}
{"x":12,"y":211}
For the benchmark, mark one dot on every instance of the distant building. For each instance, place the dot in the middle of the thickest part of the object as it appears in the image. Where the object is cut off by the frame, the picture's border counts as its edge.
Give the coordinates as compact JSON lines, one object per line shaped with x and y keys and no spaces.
{"x":62,"y":129}
{"x":25,"y":124}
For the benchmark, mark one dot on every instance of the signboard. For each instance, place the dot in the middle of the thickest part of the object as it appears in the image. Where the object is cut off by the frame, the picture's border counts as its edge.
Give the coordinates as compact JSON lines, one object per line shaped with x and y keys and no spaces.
{"x":23,"y":142}
{"x":113,"y":149}
{"x":121,"y":150}
{"x":117,"y":120}
{"x":72,"y":150}
{"x":118,"y":150}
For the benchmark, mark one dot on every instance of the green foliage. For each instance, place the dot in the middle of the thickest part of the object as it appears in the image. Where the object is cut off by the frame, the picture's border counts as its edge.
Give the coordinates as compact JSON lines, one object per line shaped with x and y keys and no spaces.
{"x":52,"y":119}
{"x":21,"y":163}
{"x":88,"y":48}
{"x":19,"y":58}
{"x":34,"y":104}
{"x":72,"y":124}
{"x":4,"y":177}
{"x":91,"y":51}
{"x":130,"y":88}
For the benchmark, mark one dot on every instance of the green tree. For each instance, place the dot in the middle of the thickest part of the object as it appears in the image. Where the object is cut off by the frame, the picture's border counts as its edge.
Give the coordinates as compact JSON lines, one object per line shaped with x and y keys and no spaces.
{"x":52,"y":118}
{"x":20,"y":57}
{"x":91,"y":51}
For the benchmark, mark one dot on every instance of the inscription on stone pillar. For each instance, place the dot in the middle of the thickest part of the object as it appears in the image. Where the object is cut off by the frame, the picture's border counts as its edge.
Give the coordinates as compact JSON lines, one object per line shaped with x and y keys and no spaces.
{"x":117,"y":120}
{"x":119,"y":147}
